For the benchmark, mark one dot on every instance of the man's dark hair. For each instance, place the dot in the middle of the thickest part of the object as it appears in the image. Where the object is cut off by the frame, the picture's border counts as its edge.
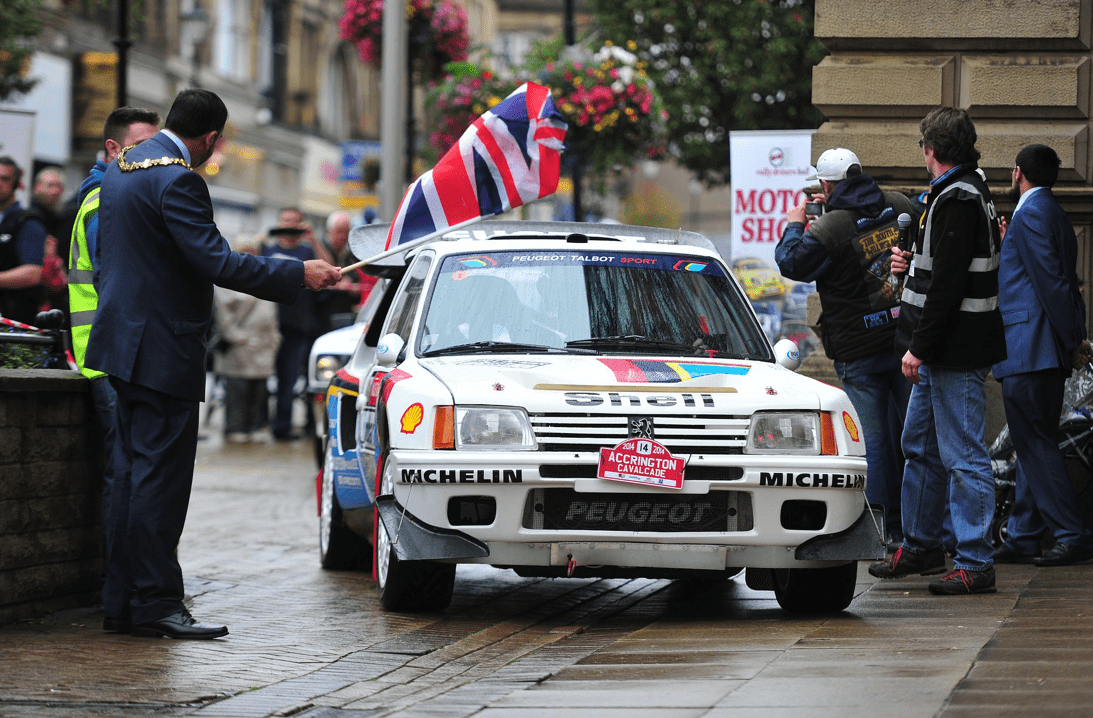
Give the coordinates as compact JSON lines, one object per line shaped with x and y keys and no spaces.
{"x":117,"y":124}
{"x":1039,"y":164}
{"x":195,"y":113}
{"x":951,"y":132}
{"x":9,"y":162}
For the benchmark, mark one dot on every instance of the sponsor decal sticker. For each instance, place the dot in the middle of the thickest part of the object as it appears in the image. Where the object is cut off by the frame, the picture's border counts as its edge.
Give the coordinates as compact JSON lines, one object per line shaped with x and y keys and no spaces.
{"x":689,"y":266}
{"x":411,"y":418}
{"x":389,"y":380}
{"x":477,"y":262}
{"x":813,"y":480}
{"x":517,"y":363}
{"x":644,"y":371}
{"x":462,"y":476}
{"x":851,"y":427}
{"x":641,"y":461}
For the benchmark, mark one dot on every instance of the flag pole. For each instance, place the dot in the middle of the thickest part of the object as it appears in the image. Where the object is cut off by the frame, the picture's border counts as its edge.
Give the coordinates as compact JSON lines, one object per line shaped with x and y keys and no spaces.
{"x":409,"y":245}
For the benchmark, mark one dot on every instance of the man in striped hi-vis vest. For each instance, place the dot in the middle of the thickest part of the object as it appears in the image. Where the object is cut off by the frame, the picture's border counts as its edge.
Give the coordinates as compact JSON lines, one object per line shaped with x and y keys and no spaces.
{"x":951,"y":330}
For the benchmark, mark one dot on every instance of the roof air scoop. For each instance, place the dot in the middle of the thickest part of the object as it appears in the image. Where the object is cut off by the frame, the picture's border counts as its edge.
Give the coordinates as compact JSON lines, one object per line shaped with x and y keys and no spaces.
{"x":577,"y":238}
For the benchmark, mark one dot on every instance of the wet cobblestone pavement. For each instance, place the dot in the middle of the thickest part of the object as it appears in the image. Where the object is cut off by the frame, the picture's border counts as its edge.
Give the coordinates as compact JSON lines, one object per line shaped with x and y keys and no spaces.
{"x":314,"y":644}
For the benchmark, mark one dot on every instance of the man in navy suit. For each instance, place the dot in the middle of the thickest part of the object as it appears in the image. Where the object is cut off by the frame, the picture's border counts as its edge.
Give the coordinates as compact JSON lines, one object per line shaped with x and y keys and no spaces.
{"x":1044,"y":318}
{"x":160,"y":256}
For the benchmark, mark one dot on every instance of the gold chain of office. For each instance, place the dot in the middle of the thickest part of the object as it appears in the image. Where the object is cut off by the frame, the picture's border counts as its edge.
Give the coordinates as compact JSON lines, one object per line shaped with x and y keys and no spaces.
{"x":126,"y":166}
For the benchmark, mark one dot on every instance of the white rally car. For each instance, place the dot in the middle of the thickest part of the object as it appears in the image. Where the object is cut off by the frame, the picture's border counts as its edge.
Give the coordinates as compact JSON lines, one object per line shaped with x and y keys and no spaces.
{"x":565,"y":399}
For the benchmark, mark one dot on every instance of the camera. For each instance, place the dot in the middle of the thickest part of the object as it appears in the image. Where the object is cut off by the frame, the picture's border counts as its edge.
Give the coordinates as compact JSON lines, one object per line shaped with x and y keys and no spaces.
{"x":814,"y":209}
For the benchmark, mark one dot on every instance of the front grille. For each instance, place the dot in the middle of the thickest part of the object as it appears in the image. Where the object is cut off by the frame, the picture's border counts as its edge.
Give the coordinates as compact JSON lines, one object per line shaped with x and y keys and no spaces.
{"x":568,"y":510}
{"x":681,"y":434}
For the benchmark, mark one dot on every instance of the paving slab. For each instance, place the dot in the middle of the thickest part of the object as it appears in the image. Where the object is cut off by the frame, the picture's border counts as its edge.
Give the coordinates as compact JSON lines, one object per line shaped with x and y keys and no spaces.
{"x":309,"y":643}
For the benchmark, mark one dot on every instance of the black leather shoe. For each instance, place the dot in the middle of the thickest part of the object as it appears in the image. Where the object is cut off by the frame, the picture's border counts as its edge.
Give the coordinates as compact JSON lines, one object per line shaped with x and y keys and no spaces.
{"x":179,"y":625}
{"x":1064,"y":555}
{"x":116,"y":625}
{"x":1005,"y":554}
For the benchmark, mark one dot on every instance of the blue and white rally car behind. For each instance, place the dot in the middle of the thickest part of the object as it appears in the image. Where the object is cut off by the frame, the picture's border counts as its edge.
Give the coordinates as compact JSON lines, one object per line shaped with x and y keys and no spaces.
{"x":567,"y":399}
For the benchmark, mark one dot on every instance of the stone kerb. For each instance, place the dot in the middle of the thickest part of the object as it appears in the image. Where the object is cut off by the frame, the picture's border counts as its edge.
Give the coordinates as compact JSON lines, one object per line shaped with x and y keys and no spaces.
{"x":50,"y":493}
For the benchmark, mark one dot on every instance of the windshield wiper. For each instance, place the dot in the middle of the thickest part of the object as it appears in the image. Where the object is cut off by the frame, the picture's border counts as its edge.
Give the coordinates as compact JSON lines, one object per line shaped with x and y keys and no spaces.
{"x":493,"y":346}
{"x":634,"y":341}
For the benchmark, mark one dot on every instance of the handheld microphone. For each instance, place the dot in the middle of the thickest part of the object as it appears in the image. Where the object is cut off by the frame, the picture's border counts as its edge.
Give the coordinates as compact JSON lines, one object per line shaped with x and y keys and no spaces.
{"x":904,"y":222}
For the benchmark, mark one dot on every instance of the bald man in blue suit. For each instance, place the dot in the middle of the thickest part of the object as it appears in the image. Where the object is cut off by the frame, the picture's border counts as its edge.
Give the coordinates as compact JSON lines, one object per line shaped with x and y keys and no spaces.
{"x":159,"y":257}
{"x":1044,"y":317}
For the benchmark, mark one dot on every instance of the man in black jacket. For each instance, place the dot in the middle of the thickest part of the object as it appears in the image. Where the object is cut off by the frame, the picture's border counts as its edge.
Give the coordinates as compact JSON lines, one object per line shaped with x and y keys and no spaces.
{"x":22,"y":248}
{"x":847,"y":252}
{"x":951,"y":329}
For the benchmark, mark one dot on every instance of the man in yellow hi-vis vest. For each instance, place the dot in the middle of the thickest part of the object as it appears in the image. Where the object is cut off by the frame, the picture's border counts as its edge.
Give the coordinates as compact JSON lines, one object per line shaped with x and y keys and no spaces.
{"x":124,"y":127}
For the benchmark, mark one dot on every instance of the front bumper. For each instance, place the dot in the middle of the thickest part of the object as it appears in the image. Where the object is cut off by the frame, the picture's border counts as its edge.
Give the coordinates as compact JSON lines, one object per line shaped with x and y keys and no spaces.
{"x":848,"y":532}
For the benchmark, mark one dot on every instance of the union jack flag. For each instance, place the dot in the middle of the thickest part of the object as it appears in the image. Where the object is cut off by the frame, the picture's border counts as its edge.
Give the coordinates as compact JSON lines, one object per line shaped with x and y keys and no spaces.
{"x":508,"y":156}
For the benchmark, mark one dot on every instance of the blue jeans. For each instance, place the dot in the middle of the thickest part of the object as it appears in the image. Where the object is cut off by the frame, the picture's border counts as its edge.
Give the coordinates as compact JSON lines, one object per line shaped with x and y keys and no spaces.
{"x":948,"y":468}
{"x":879,"y":392}
{"x":291,"y":363}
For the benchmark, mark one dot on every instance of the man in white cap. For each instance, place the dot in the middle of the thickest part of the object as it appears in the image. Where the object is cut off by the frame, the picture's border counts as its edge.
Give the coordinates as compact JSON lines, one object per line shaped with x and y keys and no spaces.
{"x":846,"y":250}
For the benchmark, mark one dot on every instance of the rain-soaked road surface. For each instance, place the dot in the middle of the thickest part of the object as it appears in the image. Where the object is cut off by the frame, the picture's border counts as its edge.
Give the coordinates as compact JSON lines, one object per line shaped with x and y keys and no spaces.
{"x":314,"y":644}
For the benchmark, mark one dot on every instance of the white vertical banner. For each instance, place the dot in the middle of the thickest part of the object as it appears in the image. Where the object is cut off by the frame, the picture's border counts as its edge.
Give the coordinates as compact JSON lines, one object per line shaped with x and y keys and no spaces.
{"x":768,"y":178}
{"x":17,"y":142}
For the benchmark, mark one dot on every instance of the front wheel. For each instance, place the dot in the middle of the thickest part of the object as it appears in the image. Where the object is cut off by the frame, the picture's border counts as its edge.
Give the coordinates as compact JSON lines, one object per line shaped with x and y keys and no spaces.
{"x":339,"y":547}
{"x":409,"y":585}
{"x":815,"y":590}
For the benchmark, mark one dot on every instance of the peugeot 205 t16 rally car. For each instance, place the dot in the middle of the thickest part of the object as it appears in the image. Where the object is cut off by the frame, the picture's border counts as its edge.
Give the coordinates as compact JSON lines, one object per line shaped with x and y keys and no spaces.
{"x":566,"y":399}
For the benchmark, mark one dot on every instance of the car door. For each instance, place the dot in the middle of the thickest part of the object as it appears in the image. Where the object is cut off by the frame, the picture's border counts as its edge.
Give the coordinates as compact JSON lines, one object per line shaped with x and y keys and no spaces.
{"x":400,"y":321}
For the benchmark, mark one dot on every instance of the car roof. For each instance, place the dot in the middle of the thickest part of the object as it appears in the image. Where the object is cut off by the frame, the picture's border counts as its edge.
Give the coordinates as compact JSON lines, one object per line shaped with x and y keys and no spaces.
{"x":512,"y":234}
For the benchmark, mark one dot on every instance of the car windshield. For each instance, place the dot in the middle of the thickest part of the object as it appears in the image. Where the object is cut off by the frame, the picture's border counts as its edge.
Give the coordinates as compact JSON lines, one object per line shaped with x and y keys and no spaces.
{"x":581,"y":301}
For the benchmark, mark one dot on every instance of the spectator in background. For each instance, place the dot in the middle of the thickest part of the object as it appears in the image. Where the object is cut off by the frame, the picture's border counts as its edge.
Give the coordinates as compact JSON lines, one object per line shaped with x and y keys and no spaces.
{"x":339,"y":304}
{"x":245,"y":357}
{"x":22,"y":249}
{"x":49,"y":185}
{"x":298,"y":322}
{"x":292,"y":217}
{"x":54,"y":279}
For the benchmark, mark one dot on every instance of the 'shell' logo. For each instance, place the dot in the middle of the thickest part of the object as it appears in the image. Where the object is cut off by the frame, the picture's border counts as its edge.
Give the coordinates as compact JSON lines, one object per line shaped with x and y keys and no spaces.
{"x":411,"y":418}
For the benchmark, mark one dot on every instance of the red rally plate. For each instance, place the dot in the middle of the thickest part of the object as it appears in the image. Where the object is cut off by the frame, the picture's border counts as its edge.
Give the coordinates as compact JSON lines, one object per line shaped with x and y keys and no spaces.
{"x":641,"y":461}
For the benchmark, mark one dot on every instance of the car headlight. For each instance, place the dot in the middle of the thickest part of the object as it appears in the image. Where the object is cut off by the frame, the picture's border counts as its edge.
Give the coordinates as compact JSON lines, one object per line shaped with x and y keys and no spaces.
{"x":784,"y":432}
{"x":327,"y":365}
{"x":491,"y":427}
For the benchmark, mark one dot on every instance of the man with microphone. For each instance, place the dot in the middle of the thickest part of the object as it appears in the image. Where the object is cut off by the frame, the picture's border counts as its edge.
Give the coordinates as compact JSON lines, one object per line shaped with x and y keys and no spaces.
{"x":846,"y":250}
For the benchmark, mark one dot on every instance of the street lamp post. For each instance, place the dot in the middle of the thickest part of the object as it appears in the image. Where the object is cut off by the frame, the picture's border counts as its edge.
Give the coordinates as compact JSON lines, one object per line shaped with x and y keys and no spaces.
{"x":122,"y":43}
{"x":570,"y":34}
{"x":195,"y":23}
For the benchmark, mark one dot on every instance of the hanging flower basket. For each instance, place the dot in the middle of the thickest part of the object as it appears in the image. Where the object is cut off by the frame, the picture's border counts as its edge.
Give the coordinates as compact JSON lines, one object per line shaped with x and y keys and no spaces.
{"x":437,"y":30}
{"x":615,"y":117}
{"x":452,"y":105}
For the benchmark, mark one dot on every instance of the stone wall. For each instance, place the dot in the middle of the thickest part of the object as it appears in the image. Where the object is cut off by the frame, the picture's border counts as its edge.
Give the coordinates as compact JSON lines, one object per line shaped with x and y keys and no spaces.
{"x":1021,"y":69}
{"x":50,"y":494}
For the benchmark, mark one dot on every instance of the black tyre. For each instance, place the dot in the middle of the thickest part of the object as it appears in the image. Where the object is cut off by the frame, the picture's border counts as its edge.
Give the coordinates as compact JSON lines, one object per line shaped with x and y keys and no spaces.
{"x":815,"y":590}
{"x":339,"y":547}
{"x":409,"y":585}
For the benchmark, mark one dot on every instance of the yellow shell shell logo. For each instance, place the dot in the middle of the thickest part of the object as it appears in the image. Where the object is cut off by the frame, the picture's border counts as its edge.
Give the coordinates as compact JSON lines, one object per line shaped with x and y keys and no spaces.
{"x":411,"y":418}
{"x":851,"y":427}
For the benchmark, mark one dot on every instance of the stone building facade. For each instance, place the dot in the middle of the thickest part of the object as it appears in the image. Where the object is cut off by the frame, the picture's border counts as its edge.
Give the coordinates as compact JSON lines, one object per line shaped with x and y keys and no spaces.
{"x":1021,"y":69}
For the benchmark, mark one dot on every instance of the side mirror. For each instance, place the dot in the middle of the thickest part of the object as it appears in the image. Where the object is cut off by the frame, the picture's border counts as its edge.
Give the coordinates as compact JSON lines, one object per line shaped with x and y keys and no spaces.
{"x":388,"y":350}
{"x":787,"y":354}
